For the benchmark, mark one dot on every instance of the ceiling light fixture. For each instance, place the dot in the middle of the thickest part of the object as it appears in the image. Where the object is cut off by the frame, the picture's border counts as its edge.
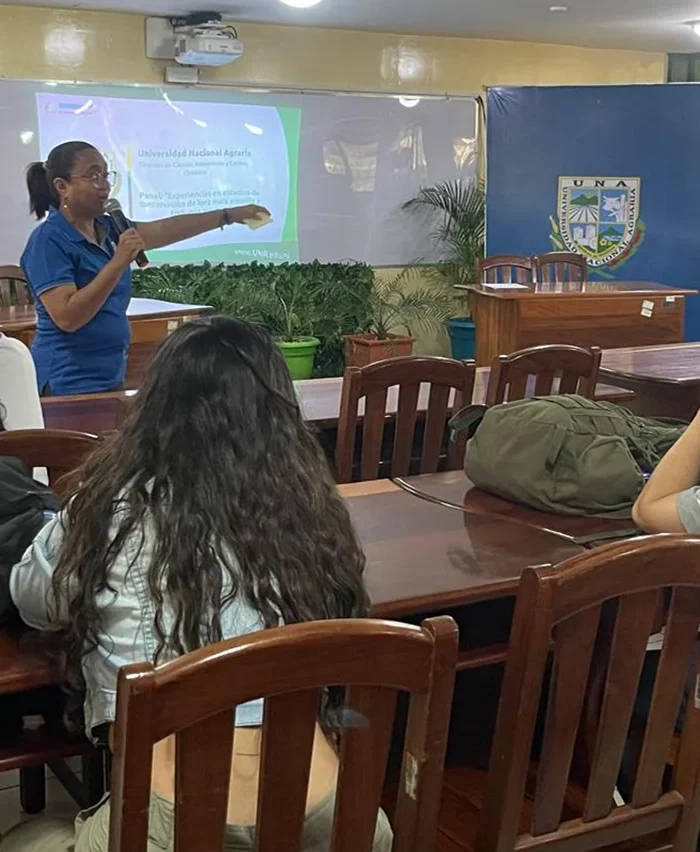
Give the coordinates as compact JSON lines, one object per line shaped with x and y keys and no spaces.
{"x":558,"y":8}
{"x":409,"y":103}
{"x":301,"y":4}
{"x":696,"y":28}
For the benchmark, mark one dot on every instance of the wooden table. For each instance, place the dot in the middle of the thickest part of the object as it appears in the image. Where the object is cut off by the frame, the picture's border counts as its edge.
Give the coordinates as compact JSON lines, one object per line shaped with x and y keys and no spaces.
{"x":151,"y":321}
{"x":421,"y":558}
{"x":22,"y":669}
{"x":598,"y":313}
{"x":665,"y":379}
{"x":453,"y":488}
{"x":319,"y":400}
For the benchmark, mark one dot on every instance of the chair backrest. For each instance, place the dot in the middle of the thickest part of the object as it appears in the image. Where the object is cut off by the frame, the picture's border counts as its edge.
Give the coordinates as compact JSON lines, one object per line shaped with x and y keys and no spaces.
{"x":289,"y":667}
{"x":13,"y":287}
{"x":561,"y":267}
{"x":613,"y":592}
{"x":60,"y":451}
{"x":506,"y":269}
{"x":552,"y":368}
{"x":439,"y":378}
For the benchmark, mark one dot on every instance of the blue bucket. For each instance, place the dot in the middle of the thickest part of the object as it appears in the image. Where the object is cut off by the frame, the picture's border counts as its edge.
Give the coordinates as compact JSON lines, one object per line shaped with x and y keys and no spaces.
{"x":462,"y":337}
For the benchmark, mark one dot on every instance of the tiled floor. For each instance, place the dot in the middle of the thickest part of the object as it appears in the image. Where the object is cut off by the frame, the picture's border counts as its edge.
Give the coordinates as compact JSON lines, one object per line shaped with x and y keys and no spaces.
{"x":59,"y":804}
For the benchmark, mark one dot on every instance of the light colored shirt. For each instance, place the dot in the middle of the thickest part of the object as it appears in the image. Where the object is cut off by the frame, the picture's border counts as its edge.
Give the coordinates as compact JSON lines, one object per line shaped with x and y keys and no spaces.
{"x":19,"y":394}
{"x":127,"y":625}
{"x":688,"y":507}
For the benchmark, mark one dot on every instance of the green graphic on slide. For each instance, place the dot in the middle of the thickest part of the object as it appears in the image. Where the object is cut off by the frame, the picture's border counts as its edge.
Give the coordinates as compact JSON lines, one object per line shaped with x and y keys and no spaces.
{"x":231,"y":253}
{"x":291,"y":123}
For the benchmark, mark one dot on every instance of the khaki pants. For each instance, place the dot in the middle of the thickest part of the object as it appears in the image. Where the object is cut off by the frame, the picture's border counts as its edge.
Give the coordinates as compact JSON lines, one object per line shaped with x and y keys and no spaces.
{"x":40,"y":835}
{"x":91,"y":832}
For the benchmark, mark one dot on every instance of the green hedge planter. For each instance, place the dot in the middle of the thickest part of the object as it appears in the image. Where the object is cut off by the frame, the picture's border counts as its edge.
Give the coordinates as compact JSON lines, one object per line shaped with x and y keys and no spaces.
{"x":300,"y":356}
{"x":326,"y":300}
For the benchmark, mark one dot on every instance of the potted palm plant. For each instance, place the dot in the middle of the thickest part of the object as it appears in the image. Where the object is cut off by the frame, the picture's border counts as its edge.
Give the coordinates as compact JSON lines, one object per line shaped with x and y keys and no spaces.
{"x":455,"y":212}
{"x":298,"y":348}
{"x":394,"y":306}
{"x":284,"y":306}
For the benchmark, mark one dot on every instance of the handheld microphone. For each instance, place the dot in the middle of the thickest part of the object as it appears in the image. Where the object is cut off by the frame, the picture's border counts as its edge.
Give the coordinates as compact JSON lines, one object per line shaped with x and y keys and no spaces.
{"x":114,"y":209}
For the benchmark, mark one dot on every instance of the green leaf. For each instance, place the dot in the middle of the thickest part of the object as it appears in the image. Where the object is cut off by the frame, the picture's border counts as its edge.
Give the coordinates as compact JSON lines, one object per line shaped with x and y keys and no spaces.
{"x":454,"y":214}
{"x":323,"y":300}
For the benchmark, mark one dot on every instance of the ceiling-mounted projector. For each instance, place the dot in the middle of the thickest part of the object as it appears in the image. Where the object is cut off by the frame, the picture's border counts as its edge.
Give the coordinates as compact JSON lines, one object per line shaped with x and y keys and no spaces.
{"x":210,"y":42}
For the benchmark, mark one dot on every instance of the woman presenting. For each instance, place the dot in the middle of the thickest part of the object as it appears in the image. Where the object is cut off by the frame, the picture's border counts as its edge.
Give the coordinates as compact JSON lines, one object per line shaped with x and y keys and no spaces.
{"x":78,"y":269}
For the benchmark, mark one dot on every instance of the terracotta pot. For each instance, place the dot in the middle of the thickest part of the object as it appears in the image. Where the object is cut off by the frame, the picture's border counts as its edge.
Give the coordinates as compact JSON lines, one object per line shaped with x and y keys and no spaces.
{"x":363,"y":349}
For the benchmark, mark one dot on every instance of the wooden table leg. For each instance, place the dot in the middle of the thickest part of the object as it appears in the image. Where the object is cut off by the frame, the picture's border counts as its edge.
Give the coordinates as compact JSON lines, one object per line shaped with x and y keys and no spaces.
{"x":94,"y":776}
{"x":32,"y":789}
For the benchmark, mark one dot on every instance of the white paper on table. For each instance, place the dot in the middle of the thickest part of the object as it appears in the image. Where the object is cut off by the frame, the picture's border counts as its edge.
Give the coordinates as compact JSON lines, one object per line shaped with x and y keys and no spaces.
{"x":139,"y":306}
{"x":656,"y":642}
{"x":499,"y":286}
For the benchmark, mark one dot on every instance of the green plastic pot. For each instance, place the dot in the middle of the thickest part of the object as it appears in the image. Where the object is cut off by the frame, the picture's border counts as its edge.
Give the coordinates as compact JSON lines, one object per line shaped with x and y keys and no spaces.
{"x":300,"y":355}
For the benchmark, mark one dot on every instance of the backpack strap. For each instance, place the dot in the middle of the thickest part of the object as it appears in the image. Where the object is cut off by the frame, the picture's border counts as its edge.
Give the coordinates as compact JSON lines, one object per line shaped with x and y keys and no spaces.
{"x":467,"y":419}
{"x":610,"y":535}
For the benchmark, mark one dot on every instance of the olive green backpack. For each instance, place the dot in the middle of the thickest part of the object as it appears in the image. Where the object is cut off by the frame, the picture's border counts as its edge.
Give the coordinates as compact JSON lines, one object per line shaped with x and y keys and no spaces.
{"x":564,"y":454}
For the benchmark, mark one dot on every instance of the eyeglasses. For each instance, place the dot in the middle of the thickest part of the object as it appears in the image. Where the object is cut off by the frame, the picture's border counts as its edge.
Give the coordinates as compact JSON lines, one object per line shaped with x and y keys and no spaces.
{"x":98,"y":179}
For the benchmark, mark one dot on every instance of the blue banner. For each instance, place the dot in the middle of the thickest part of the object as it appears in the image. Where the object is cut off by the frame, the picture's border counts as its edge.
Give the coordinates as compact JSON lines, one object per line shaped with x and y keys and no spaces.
{"x":609,"y":171}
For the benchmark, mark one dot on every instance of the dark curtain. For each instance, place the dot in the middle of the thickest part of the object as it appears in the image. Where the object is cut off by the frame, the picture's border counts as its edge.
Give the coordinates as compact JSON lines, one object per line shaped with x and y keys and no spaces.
{"x":683,"y":68}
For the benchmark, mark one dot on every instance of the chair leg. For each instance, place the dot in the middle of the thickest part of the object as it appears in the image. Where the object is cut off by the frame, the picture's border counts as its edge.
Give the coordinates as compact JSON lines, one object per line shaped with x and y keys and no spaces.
{"x":32,"y":789}
{"x":93,"y":771}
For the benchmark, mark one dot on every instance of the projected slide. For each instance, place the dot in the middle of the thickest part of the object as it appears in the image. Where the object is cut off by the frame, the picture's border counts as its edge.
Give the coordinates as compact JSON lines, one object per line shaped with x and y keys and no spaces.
{"x":174,"y":157}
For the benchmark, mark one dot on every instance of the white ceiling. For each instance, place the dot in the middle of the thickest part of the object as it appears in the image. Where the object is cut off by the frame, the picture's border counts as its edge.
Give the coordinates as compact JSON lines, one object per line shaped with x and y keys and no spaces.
{"x":659,"y":25}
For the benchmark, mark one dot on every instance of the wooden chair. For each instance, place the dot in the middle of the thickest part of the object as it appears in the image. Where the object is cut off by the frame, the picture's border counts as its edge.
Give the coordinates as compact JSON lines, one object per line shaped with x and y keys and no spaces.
{"x":193,"y":697}
{"x":13,"y":287}
{"x":555,"y":369}
{"x":60,"y":451}
{"x":506,"y":269}
{"x":615,"y":592}
{"x":408,"y":373}
{"x":561,"y":267}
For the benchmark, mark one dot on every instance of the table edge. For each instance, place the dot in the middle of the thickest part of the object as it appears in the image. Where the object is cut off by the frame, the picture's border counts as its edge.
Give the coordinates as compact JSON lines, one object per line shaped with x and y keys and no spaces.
{"x":641,"y":379}
{"x":514,"y":294}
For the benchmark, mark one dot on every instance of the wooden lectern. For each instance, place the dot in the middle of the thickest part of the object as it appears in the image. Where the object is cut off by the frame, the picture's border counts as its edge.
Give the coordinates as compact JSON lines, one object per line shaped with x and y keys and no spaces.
{"x":609,"y":314}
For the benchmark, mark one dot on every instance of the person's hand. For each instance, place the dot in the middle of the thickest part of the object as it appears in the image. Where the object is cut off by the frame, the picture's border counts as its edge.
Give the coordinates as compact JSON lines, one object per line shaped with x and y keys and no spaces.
{"x":248,"y":211}
{"x":130,"y":244}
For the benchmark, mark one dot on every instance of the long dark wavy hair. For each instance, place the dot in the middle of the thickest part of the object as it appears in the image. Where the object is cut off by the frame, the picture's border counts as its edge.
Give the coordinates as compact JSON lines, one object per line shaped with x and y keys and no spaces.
{"x":215,"y":459}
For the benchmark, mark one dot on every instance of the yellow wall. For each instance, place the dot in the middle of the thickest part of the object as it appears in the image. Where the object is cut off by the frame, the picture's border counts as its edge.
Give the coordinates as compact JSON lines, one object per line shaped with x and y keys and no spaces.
{"x":71,"y":45}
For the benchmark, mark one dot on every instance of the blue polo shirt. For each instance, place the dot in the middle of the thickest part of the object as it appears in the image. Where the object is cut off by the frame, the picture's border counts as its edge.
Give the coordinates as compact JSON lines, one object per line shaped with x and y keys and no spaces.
{"x":93,"y":358}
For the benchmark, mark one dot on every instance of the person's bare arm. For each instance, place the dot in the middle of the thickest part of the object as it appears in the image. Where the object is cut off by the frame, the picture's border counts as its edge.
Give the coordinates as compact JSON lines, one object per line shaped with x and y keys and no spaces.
{"x":165,"y":232}
{"x":71,"y":308}
{"x":656,"y":509}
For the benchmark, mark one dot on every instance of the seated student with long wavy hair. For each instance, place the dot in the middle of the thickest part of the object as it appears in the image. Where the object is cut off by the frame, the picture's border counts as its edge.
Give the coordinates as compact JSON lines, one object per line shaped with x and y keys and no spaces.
{"x":212,"y":514}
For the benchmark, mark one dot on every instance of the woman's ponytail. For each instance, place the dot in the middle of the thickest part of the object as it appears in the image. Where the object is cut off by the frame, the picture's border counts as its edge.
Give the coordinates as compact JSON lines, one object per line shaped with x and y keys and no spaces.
{"x":40,"y":192}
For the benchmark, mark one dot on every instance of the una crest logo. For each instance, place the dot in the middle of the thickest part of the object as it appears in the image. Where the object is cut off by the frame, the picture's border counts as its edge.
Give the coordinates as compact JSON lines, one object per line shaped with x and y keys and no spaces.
{"x":599,"y":218}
